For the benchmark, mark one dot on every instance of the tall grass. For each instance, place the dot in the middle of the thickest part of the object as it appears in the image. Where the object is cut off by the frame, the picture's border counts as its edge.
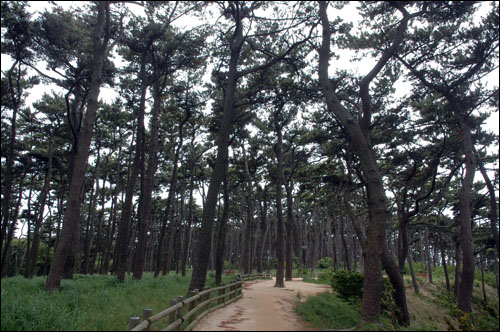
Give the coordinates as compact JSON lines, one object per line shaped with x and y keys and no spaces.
{"x":434,"y":309}
{"x":87,"y":302}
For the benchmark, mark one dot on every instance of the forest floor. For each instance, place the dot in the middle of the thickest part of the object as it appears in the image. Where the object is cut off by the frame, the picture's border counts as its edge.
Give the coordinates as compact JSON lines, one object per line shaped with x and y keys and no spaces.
{"x":263,"y":308}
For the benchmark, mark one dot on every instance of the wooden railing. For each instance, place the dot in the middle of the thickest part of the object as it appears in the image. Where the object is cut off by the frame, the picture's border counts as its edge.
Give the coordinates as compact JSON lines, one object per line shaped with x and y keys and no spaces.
{"x":185,"y":312}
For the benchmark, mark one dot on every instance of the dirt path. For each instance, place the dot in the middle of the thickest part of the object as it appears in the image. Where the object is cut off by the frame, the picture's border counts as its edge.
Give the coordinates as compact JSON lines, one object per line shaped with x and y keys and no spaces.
{"x":262,"y":308}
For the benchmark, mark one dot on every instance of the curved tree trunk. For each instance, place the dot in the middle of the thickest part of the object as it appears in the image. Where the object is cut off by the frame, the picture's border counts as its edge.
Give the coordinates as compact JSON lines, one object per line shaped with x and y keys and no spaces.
{"x":65,"y":249}
{"x":202,"y":252}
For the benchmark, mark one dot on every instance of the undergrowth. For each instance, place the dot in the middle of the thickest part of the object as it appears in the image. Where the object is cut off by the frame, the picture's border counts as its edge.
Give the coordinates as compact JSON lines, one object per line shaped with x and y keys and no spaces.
{"x":97,"y":302}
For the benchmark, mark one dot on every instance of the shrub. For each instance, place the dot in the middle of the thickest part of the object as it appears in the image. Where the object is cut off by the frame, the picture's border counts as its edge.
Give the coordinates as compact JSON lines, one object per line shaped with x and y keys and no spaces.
{"x":325,"y":277}
{"x":325,"y":263}
{"x":348,"y":285}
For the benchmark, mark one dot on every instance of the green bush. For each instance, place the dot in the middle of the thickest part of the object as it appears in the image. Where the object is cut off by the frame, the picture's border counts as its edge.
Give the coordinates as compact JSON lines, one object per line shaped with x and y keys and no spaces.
{"x":325,"y":263}
{"x":348,"y":285}
{"x":325,"y":277}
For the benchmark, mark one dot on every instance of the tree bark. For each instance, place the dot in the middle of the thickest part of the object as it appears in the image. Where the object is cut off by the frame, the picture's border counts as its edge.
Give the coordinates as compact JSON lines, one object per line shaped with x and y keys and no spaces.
{"x":72,"y":215}
{"x":246,"y":257}
{"x":41,"y":209}
{"x":187,"y":233}
{"x":145,"y":202}
{"x":467,"y":278}
{"x":279,"y":209}
{"x":204,"y":236}
{"x":221,"y":234}
{"x":126,"y":216}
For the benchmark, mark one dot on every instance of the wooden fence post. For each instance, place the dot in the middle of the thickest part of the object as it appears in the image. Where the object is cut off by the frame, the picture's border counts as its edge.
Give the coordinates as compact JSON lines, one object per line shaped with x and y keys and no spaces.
{"x":178,"y":312}
{"x":221,"y":292}
{"x":133,"y":322}
{"x":206,"y":296}
{"x":171,"y":316}
{"x":146,"y":313}
{"x":193,"y":304}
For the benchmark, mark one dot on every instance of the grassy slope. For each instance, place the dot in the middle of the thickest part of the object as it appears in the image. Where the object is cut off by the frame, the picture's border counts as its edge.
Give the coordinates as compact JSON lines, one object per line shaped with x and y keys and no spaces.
{"x":87,"y":302}
{"x":433,"y":309}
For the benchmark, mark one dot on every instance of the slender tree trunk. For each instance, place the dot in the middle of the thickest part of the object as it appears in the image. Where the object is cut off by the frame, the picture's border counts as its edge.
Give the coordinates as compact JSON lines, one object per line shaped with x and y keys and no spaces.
{"x":263,"y":233}
{"x":458,"y":269}
{"x":485,"y":299}
{"x":246,"y":257}
{"x":89,"y":236}
{"x":72,"y":215}
{"x":493,"y":203}
{"x":9,"y":165}
{"x":221,"y":234}
{"x":28,"y":231}
{"x":168,"y":215}
{"x":99,"y":227}
{"x":187,"y":234}
{"x":110,"y":230}
{"x":279,"y":209}
{"x":41,"y":209}
{"x":148,"y":180}
{"x":7,"y":250}
{"x":427,"y":253}
{"x":467,"y":280}
{"x":289,"y":226}
{"x":412,"y":272}
{"x":205,"y":234}
{"x":445,"y":268}
{"x":126,"y":216}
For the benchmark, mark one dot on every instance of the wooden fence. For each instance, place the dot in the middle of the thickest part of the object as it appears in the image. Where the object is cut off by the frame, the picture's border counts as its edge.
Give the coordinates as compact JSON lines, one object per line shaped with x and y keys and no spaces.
{"x":185,"y":312}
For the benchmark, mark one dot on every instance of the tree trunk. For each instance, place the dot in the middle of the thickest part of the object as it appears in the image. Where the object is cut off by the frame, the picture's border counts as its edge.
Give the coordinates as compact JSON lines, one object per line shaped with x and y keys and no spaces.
{"x":493,"y":203}
{"x":99,"y":225}
{"x":7,"y":250}
{"x":204,"y":235}
{"x":221,"y":234}
{"x":89,"y":236}
{"x":247,"y":242}
{"x":145,"y":202}
{"x":467,"y":279}
{"x":373,"y":179}
{"x":110,"y":230}
{"x":427,"y":253}
{"x":458,"y":268}
{"x":9,"y":174}
{"x":279,"y":209}
{"x":72,"y":215}
{"x":289,"y":227}
{"x":445,"y":267}
{"x":412,"y":272}
{"x":187,"y":234}
{"x":31,"y":267}
{"x":168,"y":215}
{"x":263,"y":233}
{"x":126,"y":216}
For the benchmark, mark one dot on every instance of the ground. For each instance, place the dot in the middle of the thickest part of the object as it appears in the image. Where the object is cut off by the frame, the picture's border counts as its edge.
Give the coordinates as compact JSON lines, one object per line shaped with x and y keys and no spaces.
{"x":263,"y":308}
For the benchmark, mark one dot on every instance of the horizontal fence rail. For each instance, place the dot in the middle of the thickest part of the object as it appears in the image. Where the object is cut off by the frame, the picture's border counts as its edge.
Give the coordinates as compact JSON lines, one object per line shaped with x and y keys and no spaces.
{"x":184,"y":312}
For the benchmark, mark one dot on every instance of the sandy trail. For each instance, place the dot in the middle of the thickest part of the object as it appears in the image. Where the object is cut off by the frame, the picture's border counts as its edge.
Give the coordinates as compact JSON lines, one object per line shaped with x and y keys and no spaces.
{"x":262,"y":308}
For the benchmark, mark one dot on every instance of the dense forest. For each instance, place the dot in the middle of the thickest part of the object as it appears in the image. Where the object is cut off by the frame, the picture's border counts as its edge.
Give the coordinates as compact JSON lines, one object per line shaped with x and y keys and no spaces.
{"x":257,"y":135}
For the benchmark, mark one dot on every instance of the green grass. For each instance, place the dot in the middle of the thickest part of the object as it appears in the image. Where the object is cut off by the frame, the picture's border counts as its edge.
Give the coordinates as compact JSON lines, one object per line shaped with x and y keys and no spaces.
{"x":434,"y":309}
{"x":87,"y":302}
{"x":327,"y":311}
